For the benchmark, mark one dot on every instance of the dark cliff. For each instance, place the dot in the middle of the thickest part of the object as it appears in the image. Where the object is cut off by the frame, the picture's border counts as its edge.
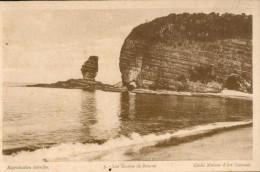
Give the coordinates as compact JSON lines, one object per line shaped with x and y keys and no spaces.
{"x":190,"y":52}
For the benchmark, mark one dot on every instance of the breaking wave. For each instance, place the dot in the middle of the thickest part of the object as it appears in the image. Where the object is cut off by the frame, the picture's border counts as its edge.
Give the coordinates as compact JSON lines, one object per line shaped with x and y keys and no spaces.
{"x":116,"y":149}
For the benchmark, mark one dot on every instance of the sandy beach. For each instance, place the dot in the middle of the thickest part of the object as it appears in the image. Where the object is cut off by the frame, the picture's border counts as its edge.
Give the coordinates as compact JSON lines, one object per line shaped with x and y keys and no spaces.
{"x":233,"y":145}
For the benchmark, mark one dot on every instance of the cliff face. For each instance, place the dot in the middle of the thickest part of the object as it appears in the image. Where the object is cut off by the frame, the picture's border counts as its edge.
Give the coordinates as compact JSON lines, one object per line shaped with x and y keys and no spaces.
{"x":89,"y":69}
{"x":190,"y":52}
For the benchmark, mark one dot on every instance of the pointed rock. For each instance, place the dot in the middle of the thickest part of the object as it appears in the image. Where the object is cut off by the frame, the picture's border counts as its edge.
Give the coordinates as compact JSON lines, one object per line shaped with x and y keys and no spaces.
{"x":89,"y":69}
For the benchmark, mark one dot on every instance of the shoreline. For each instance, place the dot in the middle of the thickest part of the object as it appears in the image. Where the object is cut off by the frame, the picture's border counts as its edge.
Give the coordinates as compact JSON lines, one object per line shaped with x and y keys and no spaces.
{"x":234,"y":144}
{"x":91,"y":86}
{"x":222,"y":94}
{"x":160,"y":146}
{"x":111,"y":88}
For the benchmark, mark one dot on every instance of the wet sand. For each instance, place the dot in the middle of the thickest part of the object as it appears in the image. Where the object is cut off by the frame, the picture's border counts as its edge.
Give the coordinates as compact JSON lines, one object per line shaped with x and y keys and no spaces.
{"x":229,"y":145}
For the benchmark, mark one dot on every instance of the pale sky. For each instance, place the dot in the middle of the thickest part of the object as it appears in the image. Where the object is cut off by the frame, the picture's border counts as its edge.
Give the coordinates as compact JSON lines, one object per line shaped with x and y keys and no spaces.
{"x":51,"y":45}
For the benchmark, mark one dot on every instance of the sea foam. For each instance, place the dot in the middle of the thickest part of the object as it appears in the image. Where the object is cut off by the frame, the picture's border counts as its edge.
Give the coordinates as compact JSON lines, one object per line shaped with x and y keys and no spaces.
{"x":115,"y":149}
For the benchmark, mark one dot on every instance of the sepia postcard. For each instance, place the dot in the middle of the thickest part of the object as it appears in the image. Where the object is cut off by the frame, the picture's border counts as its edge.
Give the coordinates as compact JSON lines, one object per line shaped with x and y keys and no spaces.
{"x":100,"y":86}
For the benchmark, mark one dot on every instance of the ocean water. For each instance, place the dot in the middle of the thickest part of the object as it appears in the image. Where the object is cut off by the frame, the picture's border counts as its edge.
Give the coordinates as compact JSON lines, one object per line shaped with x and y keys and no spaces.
{"x":48,"y":124}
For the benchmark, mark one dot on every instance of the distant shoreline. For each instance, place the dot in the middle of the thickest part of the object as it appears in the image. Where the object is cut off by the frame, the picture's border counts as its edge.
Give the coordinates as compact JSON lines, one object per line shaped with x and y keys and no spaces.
{"x":223,"y":94}
{"x":112,"y":88}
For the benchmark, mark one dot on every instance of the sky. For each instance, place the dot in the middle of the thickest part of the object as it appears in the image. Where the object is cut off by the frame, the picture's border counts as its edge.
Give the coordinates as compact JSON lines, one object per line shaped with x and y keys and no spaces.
{"x":46,"y":46}
{"x":49,"y":46}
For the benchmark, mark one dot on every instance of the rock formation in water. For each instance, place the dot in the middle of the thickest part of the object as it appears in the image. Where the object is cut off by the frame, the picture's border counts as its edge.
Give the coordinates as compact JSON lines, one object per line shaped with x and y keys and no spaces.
{"x":89,"y":69}
{"x":190,"y":52}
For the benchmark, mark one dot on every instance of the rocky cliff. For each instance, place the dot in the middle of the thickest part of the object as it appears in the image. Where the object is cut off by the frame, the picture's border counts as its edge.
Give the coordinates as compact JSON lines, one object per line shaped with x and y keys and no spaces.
{"x":190,"y":52}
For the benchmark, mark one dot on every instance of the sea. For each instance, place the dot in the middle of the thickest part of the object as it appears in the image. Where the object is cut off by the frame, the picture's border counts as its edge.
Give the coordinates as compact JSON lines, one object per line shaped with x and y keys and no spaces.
{"x":54,"y":124}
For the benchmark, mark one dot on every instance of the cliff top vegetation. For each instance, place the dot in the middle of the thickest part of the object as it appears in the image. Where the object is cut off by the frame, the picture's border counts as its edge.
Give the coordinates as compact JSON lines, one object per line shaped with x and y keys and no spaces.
{"x":196,"y":26}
